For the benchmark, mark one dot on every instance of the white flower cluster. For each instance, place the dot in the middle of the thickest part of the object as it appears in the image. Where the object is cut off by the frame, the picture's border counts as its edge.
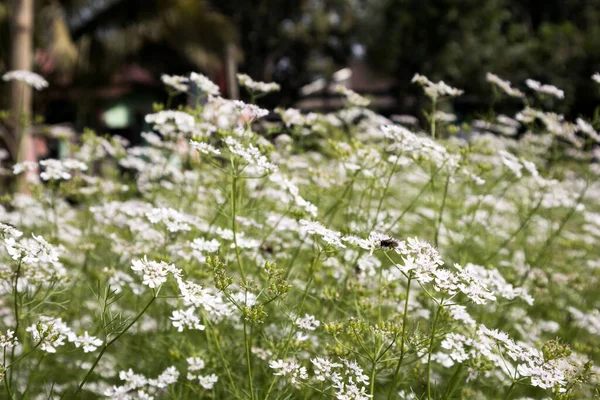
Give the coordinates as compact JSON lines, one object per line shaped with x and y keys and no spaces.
{"x":504,"y":85}
{"x":205,"y":148}
{"x":137,"y":386}
{"x":290,"y":369}
{"x":179,"y":83}
{"x":494,"y":345}
{"x":7,"y":231}
{"x":251,"y":155}
{"x":347,"y":378}
{"x":204,"y":84}
{"x":52,"y":332}
{"x":293,"y":116}
{"x":154,"y":273}
{"x":60,"y":169}
{"x":307,"y":323}
{"x":171,"y":121}
{"x":31,"y":251}
{"x":249,"y":112}
{"x":545,"y":89}
{"x":353,"y":98}
{"x":316,"y":228}
{"x":407,"y":142}
{"x":196,"y":364}
{"x":436,"y":90}
{"x":256,"y":86}
{"x":8,"y":340}
{"x":173,"y":219}
{"x":588,"y":129}
{"x":30,"y":78}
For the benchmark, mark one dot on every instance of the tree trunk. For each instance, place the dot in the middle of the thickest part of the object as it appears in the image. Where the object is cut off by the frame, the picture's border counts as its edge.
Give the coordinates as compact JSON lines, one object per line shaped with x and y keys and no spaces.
{"x":231,"y":72}
{"x":21,"y":59}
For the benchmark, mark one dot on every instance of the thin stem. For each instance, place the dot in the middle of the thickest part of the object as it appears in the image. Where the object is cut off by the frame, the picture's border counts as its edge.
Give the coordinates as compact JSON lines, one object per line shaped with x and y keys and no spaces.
{"x":431,"y":343}
{"x":108,"y":344}
{"x":233,"y":222}
{"x":403,"y":334}
{"x":248,"y":359}
{"x":439,"y":222}
{"x":509,"y":391}
{"x":16,"y":311}
{"x":432,"y":118}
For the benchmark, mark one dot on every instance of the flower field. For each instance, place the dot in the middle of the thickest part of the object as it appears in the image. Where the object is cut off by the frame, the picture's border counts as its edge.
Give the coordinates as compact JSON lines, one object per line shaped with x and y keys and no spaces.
{"x":342,"y":255}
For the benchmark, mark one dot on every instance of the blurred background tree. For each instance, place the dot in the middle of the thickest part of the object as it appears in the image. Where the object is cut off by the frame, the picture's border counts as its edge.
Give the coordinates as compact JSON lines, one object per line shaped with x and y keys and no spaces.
{"x":96,"y":51}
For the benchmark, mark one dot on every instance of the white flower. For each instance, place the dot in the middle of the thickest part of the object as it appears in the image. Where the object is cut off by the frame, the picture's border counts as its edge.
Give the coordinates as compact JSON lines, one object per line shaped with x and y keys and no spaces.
{"x":545,"y":89}
{"x":308,"y":323}
{"x":504,"y":85}
{"x":250,"y":112}
{"x":179,"y":83}
{"x":30,"y":78}
{"x":168,"y":377}
{"x":208,"y":381}
{"x":154,"y":273}
{"x":173,"y":219}
{"x":352,"y":97}
{"x":596,"y":77}
{"x":183,"y":319}
{"x":9,"y":231}
{"x":31,"y":251}
{"x":289,"y":368}
{"x":204,"y":84}
{"x":436,"y":90}
{"x":51,"y":332}
{"x":8,"y":340}
{"x":195,"y":363}
{"x":204,"y":147}
{"x":60,"y":169}
{"x":18,"y":168}
{"x":89,"y":343}
{"x":251,"y":155}
{"x":255,"y":86}
{"x":328,"y":235}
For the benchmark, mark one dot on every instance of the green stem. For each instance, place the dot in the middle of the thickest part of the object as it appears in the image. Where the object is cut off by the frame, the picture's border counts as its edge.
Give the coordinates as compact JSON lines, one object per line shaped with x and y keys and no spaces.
{"x":431,"y":343}
{"x":403,"y":334}
{"x":108,"y":344}
{"x":233,"y":222}
{"x":248,"y":359}
{"x":439,"y":222}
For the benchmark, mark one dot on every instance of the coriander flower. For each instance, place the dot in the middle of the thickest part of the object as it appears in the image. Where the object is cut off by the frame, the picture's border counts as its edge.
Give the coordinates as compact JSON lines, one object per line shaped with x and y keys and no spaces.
{"x":545,"y":89}
{"x":255,"y":86}
{"x":89,"y":343}
{"x":204,"y":84}
{"x":504,"y":85}
{"x":9,"y":231}
{"x":8,"y":340}
{"x":436,"y":90}
{"x":183,"y":319}
{"x":250,"y":112}
{"x":204,"y":147}
{"x":179,"y":83}
{"x":30,"y":78}
{"x":208,"y":381}
{"x":352,"y":97}
{"x":50,"y":332}
{"x":154,"y":273}
{"x":289,"y":368}
{"x":251,"y":155}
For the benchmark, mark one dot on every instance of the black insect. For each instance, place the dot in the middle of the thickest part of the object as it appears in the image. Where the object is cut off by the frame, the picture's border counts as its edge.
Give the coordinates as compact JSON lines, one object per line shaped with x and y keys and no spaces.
{"x":388,"y":244}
